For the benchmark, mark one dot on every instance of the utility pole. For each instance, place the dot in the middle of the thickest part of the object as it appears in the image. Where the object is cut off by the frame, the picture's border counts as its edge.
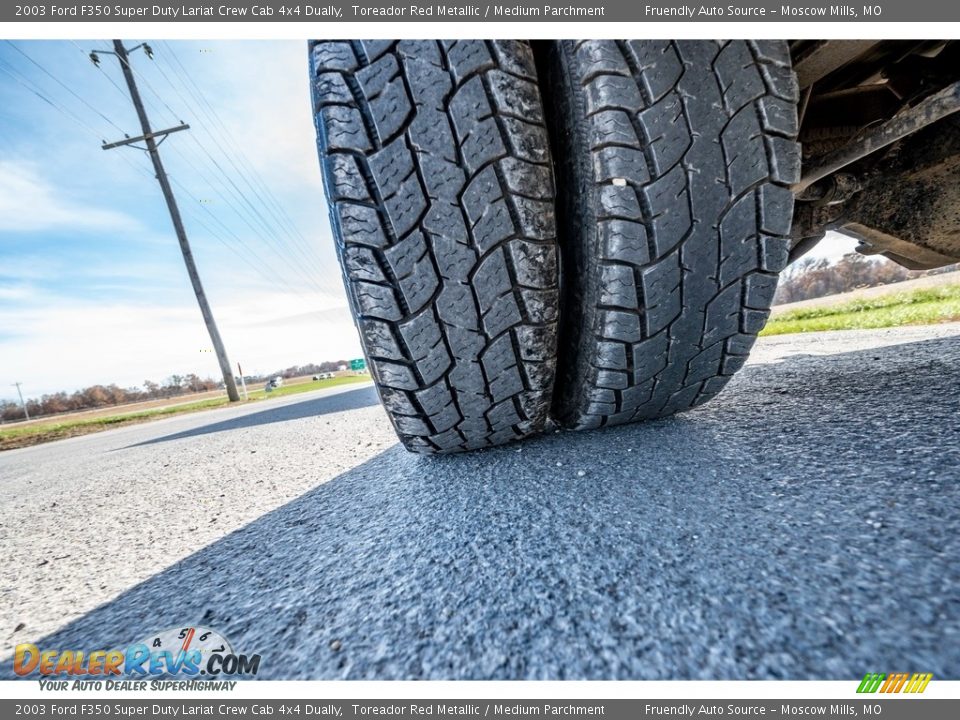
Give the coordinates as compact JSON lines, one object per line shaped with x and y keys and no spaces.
{"x":149,"y":137}
{"x":243,"y":381}
{"x":22,"y":403}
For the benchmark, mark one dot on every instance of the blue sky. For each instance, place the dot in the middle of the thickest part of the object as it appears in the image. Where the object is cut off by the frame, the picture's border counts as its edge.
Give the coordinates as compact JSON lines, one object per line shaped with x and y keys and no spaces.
{"x":92,"y":284}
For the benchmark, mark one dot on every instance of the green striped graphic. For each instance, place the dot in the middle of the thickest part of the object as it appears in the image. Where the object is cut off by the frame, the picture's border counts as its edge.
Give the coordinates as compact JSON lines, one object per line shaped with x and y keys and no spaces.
{"x":871,"y":682}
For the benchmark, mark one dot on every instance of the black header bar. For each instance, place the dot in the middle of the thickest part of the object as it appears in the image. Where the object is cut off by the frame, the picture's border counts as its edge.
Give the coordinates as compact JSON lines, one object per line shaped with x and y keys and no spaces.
{"x":420,"y":11}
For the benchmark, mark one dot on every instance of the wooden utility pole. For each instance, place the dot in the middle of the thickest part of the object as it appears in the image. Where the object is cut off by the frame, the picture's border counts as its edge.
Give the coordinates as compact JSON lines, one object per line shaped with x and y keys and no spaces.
{"x":149,"y":137}
{"x":22,"y":403}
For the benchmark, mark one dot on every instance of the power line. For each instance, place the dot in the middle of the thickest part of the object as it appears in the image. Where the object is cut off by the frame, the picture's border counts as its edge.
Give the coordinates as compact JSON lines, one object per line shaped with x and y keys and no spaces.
{"x":62,"y":84}
{"x":277,"y":210}
{"x":32,"y":88}
{"x":229,"y":232}
{"x":250,"y":209}
{"x":35,"y":90}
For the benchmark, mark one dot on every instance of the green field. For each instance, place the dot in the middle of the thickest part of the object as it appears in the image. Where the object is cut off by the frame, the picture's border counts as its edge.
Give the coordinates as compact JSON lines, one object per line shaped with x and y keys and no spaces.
{"x":23,"y":435}
{"x":914,"y":307}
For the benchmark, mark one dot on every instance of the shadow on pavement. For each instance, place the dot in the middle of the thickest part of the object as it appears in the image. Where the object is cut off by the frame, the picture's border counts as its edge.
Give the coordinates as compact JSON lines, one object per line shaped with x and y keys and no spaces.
{"x":340,"y":402}
{"x":804,"y":525}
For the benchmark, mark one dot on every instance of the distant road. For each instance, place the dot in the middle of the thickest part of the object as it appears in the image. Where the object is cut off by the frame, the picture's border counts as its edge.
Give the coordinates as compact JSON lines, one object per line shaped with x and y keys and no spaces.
{"x":806,"y":524}
{"x":930,"y":281}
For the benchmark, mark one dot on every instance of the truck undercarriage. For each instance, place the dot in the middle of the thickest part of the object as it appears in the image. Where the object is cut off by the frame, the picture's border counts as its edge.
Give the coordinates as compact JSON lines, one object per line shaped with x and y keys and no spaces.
{"x":881,"y":147}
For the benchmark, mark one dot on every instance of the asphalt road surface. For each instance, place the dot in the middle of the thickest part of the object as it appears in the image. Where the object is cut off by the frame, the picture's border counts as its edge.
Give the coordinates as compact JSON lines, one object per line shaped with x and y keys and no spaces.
{"x":806,"y":524}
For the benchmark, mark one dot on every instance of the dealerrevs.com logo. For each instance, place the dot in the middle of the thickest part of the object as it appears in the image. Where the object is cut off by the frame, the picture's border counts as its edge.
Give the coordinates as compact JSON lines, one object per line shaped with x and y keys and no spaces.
{"x":192,"y":652}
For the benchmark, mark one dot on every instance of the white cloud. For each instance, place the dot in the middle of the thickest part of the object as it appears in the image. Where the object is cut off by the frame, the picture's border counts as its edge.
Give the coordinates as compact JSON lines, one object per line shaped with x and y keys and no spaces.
{"x":30,"y":202}
{"x":64,"y":346}
{"x":20,"y":292}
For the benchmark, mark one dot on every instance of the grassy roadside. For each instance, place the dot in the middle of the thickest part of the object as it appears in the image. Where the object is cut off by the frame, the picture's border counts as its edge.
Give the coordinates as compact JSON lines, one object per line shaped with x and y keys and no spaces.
{"x":914,"y":307}
{"x":23,"y":436}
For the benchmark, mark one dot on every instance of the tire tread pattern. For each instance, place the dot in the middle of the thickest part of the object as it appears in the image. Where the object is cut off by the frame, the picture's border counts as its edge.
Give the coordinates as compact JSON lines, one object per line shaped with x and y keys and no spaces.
{"x":437,"y":171}
{"x":674,"y":160}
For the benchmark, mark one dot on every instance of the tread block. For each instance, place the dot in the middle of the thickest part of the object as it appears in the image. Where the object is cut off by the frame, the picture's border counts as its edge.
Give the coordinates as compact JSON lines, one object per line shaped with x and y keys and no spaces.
{"x":397,"y":401}
{"x":533,"y":339}
{"x":394,"y":375}
{"x":457,"y":308}
{"x":619,"y":163}
{"x":617,"y":287}
{"x":379,"y":339}
{"x":665,"y":128}
{"x":624,"y":240}
{"x":513,"y":96}
{"x":390,"y":109}
{"x":360,"y":224}
{"x":527,"y":258}
{"x":333,"y":56}
{"x":660,"y":67}
{"x":661,"y":292}
{"x":534,"y":218}
{"x":738,"y":241}
{"x":468,"y":57}
{"x":739,"y":76}
{"x":361,"y":264}
{"x":344,"y":129}
{"x":599,"y":56}
{"x":619,"y":201}
{"x":784,"y":160}
{"x":376,"y":301}
{"x":331,"y":89}
{"x":759,"y":289}
{"x":612,"y":92}
{"x":777,"y":116}
{"x":775,"y":209}
{"x":424,"y":341}
{"x":406,"y":206}
{"x":373,"y":78}
{"x":541,"y":304}
{"x":746,"y":158}
{"x":650,"y":357}
{"x":753,"y":320}
{"x":373,"y":49}
{"x":669,"y":202}
{"x":445,"y":220}
{"x":345,"y":180}
{"x":612,"y":127}
{"x":622,"y":326}
{"x":390,"y":166}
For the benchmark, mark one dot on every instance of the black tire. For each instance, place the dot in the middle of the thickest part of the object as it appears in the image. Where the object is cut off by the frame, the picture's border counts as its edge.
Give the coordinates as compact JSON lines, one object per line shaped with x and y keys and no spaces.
{"x":674,"y":161}
{"x":437,"y":171}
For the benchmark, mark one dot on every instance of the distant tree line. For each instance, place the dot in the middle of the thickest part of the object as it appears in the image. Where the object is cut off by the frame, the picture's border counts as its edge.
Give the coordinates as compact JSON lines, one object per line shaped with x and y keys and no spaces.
{"x":98,"y":396}
{"x":809,"y":278}
{"x":310,"y":369}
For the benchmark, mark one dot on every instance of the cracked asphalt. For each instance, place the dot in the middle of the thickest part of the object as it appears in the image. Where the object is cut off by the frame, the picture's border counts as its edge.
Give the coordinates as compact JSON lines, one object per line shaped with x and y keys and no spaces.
{"x":804,"y":525}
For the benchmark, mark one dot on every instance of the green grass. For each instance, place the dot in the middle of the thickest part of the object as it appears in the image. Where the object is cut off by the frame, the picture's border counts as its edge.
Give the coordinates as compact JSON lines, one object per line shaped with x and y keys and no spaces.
{"x":915,"y":307}
{"x":21,"y":436}
{"x":260,"y":394}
